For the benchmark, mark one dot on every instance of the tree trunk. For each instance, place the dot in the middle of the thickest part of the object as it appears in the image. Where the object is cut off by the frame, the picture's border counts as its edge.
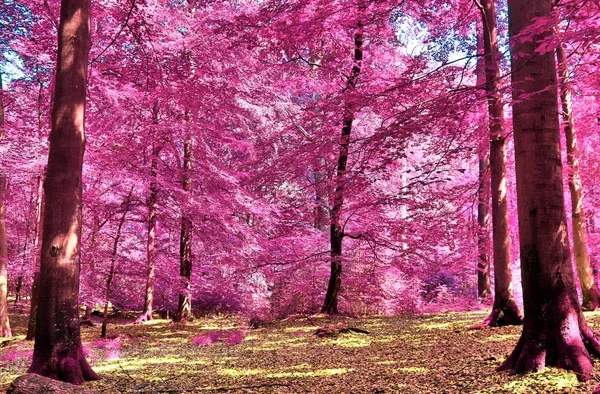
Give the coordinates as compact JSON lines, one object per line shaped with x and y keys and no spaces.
{"x":484,"y":289}
{"x":555,"y":331}
{"x":589,"y":289}
{"x":505,"y":310}
{"x":320,"y":211}
{"x":184,"y":309}
{"x":57,"y":352}
{"x":113,"y":261}
{"x":39,"y":214}
{"x":4,"y":322}
{"x":152,"y":211}
{"x":330,"y":306}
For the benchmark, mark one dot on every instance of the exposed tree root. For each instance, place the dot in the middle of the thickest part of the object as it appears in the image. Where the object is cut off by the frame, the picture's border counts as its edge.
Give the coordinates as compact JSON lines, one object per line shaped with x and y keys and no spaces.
{"x":508,"y":315}
{"x":67,"y":364}
{"x":146,"y":316}
{"x":334,"y":331}
{"x":591,"y":300}
{"x":559,"y":347}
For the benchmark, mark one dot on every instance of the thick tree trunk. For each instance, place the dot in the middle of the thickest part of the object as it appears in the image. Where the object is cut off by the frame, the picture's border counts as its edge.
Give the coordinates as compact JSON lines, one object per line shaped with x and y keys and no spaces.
{"x":555,"y":331}
{"x":57,"y":352}
{"x":4,"y":322}
{"x":184,"y":309}
{"x":113,"y":261}
{"x":39,"y":214}
{"x":505,"y":310}
{"x":330,"y":306}
{"x":150,"y":253}
{"x":589,"y":289}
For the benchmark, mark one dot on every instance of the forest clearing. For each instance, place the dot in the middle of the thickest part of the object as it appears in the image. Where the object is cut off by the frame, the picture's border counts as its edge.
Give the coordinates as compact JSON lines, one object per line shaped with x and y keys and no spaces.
{"x":431,"y":353}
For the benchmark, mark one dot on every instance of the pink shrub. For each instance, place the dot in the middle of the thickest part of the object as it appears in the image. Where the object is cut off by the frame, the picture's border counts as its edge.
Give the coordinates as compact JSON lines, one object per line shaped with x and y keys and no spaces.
{"x":206,"y":339}
{"x":235,"y":337}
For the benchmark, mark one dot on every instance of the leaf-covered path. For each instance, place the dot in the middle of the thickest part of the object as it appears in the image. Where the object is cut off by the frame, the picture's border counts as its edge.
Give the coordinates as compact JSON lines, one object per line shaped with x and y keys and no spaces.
{"x":406,"y":354}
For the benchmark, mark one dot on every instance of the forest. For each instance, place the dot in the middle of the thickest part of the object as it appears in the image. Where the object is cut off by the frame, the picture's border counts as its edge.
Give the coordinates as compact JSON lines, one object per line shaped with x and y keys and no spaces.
{"x":299,"y":196}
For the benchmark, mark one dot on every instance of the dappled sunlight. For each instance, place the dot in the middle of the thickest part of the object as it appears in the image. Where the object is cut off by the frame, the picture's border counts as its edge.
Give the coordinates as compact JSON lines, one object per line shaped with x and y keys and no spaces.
{"x":291,"y":372}
{"x":136,"y":363}
{"x":550,"y":378}
{"x":500,"y":338}
{"x":411,"y":370}
{"x":306,"y":329}
{"x":407,"y":354}
{"x":348,"y":341}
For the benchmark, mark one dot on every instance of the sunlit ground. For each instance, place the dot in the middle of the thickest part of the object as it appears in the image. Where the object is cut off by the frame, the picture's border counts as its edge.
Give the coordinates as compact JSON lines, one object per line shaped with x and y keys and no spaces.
{"x":407,"y":354}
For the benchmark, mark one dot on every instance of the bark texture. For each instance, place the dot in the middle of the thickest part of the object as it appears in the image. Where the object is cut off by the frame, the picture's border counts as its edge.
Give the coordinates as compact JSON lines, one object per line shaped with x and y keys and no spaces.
{"x":184,"y":308}
{"x":4,"y":321}
{"x":330,"y":306}
{"x":555,"y":331}
{"x":35,"y":287}
{"x":57,"y":352}
{"x":589,"y":288}
{"x":505,"y":310}
{"x":152,"y":212}
{"x":484,"y":287}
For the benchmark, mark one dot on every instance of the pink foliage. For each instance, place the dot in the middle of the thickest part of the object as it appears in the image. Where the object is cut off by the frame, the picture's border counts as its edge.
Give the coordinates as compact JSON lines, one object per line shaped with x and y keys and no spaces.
{"x":15,"y":354}
{"x":206,"y":339}
{"x":111,"y":346}
{"x":234,"y":337}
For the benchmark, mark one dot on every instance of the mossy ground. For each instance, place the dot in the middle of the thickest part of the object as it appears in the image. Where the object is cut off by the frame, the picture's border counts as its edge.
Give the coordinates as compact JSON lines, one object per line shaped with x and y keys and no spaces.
{"x":404,"y":354}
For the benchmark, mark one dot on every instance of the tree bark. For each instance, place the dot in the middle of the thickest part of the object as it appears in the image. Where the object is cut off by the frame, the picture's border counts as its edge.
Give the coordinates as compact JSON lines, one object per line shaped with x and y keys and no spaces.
{"x":321,"y":213}
{"x":57,"y":352}
{"x":505,"y":310}
{"x":152,"y":212}
{"x":330,"y":306}
{"x":113,"y":261}
{"x":555,"y":331}
{"x":39,"y":214}
{"x":484,"y":289}
{"x":589,"y":289}
{"x":184,"y":309}
{"x":4,"y":321}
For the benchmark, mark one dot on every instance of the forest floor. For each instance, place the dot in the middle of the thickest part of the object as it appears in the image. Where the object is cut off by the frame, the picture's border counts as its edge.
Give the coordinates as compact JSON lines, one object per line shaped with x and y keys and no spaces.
{"x":432,"y":353}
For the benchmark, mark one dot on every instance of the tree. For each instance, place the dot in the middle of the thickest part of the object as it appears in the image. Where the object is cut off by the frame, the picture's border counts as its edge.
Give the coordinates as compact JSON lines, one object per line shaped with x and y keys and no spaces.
{"x":113,"y":261}
{"x":330,"y":304}
{"x":483,"y":195}
{"x":505,"y":310}
{"x":57,"y":351}
{"x":589,"y":288}
{"x":4,"y":322}
{"x":150,"y":245}
{"x":184,"y":308}
{"x":555,"y":331}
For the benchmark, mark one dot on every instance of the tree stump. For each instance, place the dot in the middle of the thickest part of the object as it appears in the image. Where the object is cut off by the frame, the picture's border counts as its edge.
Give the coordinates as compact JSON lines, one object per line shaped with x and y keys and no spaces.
{"x":34,"y":384}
